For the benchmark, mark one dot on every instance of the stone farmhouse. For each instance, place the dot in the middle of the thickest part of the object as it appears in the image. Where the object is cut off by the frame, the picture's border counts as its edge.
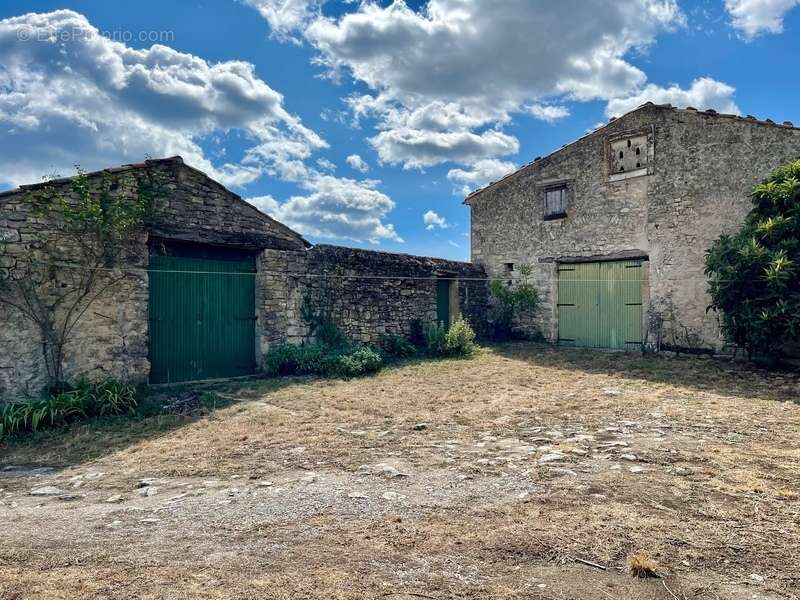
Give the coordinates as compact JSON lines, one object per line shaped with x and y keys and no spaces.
{"x":615,"y":225}
{"x":214,"y":283}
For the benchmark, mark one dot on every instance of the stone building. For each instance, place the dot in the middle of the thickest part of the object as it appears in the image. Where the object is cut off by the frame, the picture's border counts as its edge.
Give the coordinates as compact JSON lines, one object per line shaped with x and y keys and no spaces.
{"x":615,"y":225}
{"x":212,"y":284}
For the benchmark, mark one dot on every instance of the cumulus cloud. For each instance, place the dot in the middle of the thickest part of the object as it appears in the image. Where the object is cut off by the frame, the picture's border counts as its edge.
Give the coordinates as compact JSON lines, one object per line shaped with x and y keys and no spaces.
{"x":335,"y":208}
{"x":440,"y":75}
{"x":702,"y":94}
{"x":754,"y":17}
{"x":547,"y":112}
{"x":71,"y":96}
{"x":357,"y":163}
{"x":68,"y":95}
{"x":480,"y":174}
{"x":325,"y":164}
{"x":433,"y":220}
{"x":285,"y":17}
{"x":423,"y":148}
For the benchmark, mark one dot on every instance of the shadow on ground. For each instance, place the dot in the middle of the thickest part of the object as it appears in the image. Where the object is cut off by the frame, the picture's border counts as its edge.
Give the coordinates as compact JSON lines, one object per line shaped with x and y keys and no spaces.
{"x":85,"y":441}
{"x":714,"y":375}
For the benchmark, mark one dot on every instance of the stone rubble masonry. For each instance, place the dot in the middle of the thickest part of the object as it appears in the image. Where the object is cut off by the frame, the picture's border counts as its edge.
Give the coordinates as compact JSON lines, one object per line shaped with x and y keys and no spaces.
{"x":367,"y":293}
{"x":112,"y":338}
{"x":694,"y":186}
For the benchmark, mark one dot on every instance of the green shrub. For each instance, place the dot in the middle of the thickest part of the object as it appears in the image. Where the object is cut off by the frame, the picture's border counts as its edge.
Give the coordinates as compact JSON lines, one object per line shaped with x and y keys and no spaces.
{"x":360,"y":361}
{"x":321,"y":359}
{"x":460,"y":339}
{"x":396,"y":346}
{"x":289,"y":359}
{"x":436,"y":338}
{"x":511,"y":302}
{"x":754,"y":275}
{"x":84,"y":401}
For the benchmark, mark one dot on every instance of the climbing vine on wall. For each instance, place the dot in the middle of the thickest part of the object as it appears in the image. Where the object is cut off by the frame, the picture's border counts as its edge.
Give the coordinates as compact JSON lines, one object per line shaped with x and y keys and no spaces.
{"x":89,"y":229}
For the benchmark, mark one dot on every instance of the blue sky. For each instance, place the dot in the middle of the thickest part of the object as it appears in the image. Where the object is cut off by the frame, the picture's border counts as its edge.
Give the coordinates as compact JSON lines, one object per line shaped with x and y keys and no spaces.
{"x":364,"y":123}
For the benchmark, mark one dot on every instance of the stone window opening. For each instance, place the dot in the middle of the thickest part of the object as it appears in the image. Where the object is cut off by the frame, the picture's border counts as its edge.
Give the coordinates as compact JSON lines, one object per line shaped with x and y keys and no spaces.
{"x":555,"y":202}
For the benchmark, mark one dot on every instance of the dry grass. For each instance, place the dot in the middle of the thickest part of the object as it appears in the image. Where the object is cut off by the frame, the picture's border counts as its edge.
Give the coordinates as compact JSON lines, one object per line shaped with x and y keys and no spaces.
{"x":709,"y":488}
{"x":643,"y":566}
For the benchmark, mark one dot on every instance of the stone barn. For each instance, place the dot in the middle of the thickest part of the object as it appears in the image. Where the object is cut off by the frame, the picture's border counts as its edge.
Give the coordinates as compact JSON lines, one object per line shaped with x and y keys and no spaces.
{"x":615,"y":225}
{"x":212,"y":284}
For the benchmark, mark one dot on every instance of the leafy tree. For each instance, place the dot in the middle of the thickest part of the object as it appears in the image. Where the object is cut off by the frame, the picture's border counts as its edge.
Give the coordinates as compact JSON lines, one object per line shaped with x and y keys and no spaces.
{"x":511,"y":302}
{"x":89,"y":229}
{"x":755,"y":275}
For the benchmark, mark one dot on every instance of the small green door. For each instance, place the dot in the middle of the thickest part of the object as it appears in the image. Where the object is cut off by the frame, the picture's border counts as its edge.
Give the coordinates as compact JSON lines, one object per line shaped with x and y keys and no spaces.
{"x":202,"y":315}
{"x":443,"y":301}
{"x":600,"y":304}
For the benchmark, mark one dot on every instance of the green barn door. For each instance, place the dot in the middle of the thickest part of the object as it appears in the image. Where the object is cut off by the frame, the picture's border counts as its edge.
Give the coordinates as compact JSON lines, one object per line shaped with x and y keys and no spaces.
{"x":202,"y":315}
{"x":443,"y":301}
{"x":600,"y":304}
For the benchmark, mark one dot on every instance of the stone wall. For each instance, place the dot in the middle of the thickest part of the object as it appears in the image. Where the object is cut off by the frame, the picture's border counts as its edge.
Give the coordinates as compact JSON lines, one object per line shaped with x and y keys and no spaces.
{"x":693,"y":184}
{"x":368,"y":293}
{"x":111,"y":340}
{"x":372,"y":293}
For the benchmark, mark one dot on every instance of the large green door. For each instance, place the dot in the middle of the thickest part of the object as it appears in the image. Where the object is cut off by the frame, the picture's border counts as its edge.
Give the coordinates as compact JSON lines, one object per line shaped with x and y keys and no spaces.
{"x":600,"y":304}
{"x":443,"y":301}
{"x":202,"y":315}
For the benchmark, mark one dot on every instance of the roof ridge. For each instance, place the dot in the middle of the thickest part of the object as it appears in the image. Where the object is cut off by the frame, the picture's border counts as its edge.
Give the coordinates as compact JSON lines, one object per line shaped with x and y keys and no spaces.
{"x":649,"y":104}
{"x":118,"y":169}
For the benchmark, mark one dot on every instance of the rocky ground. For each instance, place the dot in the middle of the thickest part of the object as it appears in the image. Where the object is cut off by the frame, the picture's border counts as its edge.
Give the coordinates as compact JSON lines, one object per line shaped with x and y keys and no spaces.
{"x":525,"y":472}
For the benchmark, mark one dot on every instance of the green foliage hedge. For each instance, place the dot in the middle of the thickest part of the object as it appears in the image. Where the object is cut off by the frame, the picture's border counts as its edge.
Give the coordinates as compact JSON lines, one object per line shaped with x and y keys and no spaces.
{"x":86,"y":400}
{"x":512,"y":302}
{"x":457,"y":340}
{"x":322,"y":359}
{"x":754,"y":275}
{"x":336,"y":356}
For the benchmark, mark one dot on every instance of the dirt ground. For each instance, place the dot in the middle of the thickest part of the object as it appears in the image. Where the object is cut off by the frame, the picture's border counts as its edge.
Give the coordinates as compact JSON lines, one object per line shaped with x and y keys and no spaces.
{"x":525,"y":472}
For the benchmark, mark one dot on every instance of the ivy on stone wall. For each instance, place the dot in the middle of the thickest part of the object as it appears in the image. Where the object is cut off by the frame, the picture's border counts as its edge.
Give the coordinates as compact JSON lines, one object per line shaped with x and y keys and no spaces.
{"x":88,"y":229}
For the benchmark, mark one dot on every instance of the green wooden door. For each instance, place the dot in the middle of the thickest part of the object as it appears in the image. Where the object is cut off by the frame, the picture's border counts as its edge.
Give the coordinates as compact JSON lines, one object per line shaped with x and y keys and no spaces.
{"x":202,"y":316}
{"x":443,"y":301}
{"x":600,"y":304}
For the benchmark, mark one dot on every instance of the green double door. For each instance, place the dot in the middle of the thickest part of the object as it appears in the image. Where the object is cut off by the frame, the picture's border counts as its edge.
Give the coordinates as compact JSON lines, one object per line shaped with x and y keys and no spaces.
{"x":202,"y":315}
{"x":600,"y":304}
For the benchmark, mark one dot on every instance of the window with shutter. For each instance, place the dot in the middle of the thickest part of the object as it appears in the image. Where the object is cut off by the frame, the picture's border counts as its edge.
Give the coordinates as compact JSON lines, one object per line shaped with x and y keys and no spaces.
{"x":555,"y":202}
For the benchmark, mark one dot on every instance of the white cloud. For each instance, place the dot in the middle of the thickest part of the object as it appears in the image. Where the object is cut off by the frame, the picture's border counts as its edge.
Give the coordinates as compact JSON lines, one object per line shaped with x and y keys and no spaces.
{"x":453,"y":244}
{"x":357,"y":163}
{"x":433,"y":220}
{"x":71,"y":96}
{"x":335,"y":208}
{"x":755,"y":17}
{"x":704,"y":93}
{"x":286,"y":16}
{"x":417,"y":148}
{"x":439,"y":74}
{"x":547,"y":112}
{"x":325,"y":164}
{"x":480,"y":174}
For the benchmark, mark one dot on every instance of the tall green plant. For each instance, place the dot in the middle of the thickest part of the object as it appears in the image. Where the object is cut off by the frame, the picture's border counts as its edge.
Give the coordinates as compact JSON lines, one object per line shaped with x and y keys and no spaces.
{"x":90,"y":228}
{"x":754,"y":275}
{"x":512,"y":302}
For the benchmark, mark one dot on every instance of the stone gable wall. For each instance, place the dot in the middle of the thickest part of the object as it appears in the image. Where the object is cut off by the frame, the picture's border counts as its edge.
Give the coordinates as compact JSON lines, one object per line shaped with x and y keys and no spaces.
{"x":696,"y":188}
{"x":112,"y":338}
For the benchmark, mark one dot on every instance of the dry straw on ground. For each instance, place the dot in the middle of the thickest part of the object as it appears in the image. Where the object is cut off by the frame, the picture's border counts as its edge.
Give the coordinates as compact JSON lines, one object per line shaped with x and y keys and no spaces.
{"x":537,"y":474}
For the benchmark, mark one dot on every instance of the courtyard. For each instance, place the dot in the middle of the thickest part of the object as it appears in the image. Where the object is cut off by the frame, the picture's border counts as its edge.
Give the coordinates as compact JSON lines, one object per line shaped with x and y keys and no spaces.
{"x":524,"y":472}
